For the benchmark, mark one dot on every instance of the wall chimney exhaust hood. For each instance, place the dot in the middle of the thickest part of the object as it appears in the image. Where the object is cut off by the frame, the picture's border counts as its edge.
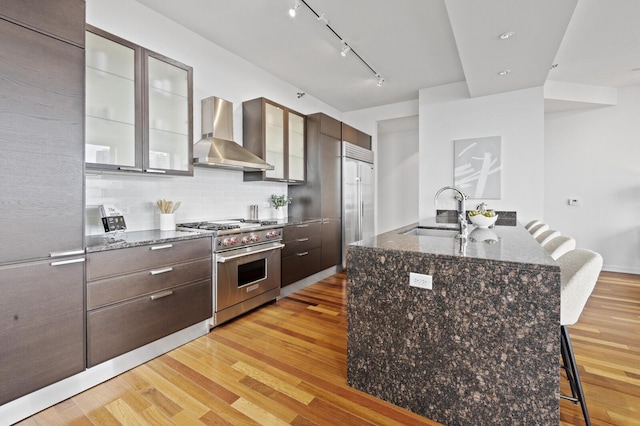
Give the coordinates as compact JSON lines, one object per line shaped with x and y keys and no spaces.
{"x":217,"y":148}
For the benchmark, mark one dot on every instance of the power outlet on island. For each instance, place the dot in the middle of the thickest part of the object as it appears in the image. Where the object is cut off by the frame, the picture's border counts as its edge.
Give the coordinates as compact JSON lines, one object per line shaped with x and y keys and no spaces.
{"x":420,"y":280}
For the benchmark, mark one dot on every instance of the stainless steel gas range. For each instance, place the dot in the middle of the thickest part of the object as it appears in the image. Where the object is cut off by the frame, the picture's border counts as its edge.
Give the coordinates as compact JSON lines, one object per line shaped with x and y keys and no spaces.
{"x":246,"y":264}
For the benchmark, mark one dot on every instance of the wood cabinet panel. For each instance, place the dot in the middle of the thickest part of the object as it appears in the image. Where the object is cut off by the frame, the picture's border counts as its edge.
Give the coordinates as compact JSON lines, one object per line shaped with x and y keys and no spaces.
{"x":301,"y":230}
{"x":63,"y":19}
{"x":301,"y":245}
{"x":41,"y":326}
{"x":276,"y":134}
{"x":330,"y":156}
{"x":297,"y":267}
{"x":329,"y":126}
{"x":124,"y":287}
{"x":117,"y":262}
{"x":139,"y":115}
{"x":331,"y":243}
{"x":117,"y":329}
{"x":41,"y":167}
{"x":364,"y":140}
{"x":349,"y":134}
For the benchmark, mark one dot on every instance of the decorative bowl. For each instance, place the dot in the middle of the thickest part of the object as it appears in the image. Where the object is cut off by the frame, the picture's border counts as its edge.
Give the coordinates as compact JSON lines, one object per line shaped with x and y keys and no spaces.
{"x":482,"y":221}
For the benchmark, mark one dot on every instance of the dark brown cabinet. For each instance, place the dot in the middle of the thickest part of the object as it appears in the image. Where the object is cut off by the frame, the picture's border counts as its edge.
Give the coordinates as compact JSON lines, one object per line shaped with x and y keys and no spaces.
{"x":276,"y":134}
{"x":41,"y":167}
{"x":139,"y":108}
{"x":355,"y":136}
{"x":301,"y":255}
{"x":42,"y":337}
{"x":41,"y":325}
{"x":149,"y":291}
{"x":321,"y":195}
{"x":62,"y":19}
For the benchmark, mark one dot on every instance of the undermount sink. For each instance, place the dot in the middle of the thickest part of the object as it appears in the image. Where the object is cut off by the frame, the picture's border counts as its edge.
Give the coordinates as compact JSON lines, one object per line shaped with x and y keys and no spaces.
{"x":432,"y":232}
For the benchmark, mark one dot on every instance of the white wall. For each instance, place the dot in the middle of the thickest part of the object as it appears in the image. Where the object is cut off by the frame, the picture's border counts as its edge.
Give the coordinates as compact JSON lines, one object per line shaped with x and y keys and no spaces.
{"x":594,"y":155}
{"x":447,"y":113}
{"x":397,"y":179}
{"x":210,"y":194}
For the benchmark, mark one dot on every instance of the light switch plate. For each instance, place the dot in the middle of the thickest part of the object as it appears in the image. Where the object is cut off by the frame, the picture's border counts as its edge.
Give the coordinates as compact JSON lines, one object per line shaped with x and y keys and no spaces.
{"x":421,"y":280}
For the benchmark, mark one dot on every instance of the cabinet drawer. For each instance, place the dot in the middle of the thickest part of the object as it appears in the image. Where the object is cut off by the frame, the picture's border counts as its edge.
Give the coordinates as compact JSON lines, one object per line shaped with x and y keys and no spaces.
{"x":300,"y":231}
{"x":123,"y":287}
{"x":123,"y":261}
{"x":118,"y":329}
{"x":301,"y":245}
{"x":295,"y":268}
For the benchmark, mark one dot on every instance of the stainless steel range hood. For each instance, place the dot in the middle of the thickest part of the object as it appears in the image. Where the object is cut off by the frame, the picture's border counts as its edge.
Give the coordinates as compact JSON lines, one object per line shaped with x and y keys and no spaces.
{"x":217,"y":148}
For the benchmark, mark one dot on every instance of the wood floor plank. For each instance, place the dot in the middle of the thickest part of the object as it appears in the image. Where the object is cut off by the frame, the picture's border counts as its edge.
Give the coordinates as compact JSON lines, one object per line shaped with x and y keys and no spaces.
{"x":285,"y":363}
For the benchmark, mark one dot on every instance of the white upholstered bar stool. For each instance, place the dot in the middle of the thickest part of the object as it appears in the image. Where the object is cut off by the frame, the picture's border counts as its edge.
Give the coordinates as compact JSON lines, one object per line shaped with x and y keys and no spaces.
{"x":579,"y":271}
{"x":538,"y":229}
{"x":530,"y":224}
{"x":547,"y":236}
{"x":559,"y":246}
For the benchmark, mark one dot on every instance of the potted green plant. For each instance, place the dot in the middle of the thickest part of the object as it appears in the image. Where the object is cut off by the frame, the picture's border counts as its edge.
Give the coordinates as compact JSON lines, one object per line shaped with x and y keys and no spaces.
{"x":279,"y":202}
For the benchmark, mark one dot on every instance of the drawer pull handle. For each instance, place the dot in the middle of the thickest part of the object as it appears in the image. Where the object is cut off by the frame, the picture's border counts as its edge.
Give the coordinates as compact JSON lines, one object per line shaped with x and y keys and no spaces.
{"x":161,"y":271}
{"x":67,"y":262}
{"x":166,"y":246}
{"x":304,"y":253}
{"x":303,"y":226}
{"x":66,"y":253}
{"x":161,"y":295}
{"x":155,"y":171}
{"x":130,"y":169}
{"x":300,"y":240}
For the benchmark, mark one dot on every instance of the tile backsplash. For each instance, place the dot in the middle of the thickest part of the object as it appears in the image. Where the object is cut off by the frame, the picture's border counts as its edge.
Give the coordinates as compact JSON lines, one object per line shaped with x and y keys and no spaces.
{"x":210,"y":194}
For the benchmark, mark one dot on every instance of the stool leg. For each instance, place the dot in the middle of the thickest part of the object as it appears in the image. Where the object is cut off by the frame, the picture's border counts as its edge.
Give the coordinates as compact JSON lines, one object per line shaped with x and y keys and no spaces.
{"x":571,"y":367}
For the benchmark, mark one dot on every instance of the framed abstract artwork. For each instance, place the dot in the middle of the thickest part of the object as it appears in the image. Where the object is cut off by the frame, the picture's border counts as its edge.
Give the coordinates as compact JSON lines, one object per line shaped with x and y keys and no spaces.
{"x":477,"y":167}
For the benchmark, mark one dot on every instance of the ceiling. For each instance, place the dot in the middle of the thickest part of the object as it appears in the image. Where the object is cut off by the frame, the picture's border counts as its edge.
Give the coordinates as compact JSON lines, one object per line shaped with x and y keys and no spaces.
{"x":415,"y":44}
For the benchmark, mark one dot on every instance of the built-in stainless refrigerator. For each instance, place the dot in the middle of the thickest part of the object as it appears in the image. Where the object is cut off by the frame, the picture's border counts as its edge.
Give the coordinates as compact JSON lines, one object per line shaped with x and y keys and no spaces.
{"x":358,"y":195}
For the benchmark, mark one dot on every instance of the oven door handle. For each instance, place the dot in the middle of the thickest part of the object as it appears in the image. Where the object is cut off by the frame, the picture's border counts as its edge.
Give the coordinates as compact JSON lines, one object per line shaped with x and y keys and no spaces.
{"x":222,"y":259}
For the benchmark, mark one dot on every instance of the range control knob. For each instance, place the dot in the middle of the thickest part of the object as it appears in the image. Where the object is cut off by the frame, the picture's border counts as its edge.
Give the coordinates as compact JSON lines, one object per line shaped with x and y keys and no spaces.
{"x":246,"y":239}
{"x":234,"y":240}
{"x":272,"y":234}
{"x":255,"y":238}
{"x":227,"y":241}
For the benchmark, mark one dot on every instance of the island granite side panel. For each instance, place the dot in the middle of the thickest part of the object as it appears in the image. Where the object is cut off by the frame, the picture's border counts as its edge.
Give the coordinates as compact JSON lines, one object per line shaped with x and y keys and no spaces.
{"x":481,"y":348}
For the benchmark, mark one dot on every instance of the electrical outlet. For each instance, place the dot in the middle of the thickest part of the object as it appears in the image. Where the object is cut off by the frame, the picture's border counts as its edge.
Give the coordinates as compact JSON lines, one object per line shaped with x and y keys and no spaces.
{"x":575,"y":202}
{"x":420,"y":280}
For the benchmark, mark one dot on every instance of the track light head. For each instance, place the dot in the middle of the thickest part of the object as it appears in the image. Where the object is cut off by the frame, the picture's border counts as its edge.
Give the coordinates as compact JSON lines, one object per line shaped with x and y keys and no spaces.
{"x":323,"y":18}
{"x":380,"y":80}
{"x":294,"y":10}
{"x":345,"y":49}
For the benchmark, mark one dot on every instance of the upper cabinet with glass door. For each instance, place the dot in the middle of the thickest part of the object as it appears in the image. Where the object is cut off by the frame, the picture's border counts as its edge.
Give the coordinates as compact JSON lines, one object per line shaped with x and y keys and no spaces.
{"x":138,"y":108}
{"x":277,"y":135}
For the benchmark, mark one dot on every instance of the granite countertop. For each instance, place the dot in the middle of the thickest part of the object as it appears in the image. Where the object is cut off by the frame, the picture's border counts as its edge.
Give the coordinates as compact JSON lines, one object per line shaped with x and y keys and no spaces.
{"x":501,"y":243}
{"x":96,"y":243}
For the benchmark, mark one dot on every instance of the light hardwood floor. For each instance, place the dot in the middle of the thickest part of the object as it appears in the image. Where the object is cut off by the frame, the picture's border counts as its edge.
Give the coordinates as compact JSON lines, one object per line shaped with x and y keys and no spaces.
{"x":285,"y":363}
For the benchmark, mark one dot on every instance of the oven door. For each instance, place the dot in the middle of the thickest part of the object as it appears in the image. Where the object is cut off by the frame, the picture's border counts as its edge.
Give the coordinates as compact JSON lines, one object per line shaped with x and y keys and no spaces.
{"x":246,"y":273}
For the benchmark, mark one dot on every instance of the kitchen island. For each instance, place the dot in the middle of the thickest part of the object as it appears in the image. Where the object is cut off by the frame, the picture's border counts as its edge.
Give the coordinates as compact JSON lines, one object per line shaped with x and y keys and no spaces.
{"x":481,"y":347}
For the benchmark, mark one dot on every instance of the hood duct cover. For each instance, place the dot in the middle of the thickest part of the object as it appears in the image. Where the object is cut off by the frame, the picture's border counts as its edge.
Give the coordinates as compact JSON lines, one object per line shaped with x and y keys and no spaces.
{"x":217,"y":148}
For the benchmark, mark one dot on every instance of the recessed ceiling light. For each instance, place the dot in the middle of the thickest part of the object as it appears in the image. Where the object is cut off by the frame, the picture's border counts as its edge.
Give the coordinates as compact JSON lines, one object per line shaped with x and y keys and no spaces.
{"x":504,"y":72}
{"x":553,"y":66}
{"x":506,"y":35}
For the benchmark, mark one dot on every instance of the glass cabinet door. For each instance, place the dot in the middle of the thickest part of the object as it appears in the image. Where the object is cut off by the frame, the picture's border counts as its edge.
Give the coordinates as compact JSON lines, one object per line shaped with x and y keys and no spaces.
{"x":110,"y":109}
{"x":296,"y":147}
{"x":169,"y":126}
{"x":274,"y":140}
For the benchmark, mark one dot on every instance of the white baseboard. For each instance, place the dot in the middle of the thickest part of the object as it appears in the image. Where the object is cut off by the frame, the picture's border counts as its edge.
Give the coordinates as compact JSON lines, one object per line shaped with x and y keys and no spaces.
{"x":305,"y":282}
{"x":30,"y":404}
{"x":621,"y":269}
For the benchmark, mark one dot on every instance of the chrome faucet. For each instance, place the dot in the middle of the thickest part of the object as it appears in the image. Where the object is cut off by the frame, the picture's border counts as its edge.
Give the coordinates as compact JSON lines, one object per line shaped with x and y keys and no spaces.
{"x":462,"y":208}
